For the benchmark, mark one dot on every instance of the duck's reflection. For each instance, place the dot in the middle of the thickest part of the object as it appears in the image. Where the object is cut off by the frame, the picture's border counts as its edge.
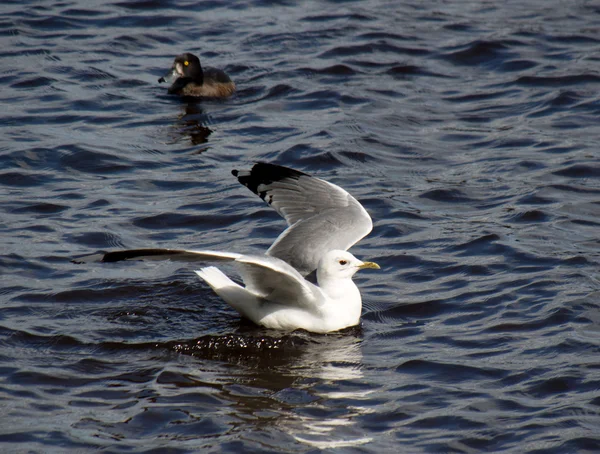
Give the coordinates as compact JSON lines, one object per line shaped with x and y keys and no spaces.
{"x":308,"y":386}
{"x":191,"y":124}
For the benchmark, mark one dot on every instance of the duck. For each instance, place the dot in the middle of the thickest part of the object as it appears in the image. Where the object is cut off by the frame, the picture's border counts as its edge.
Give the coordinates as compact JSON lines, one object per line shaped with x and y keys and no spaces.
{"x":190,"y":79}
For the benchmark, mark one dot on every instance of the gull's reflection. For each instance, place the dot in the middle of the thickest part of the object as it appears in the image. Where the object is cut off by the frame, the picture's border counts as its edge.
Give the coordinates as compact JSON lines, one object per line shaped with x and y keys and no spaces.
{"x":337,"y":364}
{"x":308,"y":386}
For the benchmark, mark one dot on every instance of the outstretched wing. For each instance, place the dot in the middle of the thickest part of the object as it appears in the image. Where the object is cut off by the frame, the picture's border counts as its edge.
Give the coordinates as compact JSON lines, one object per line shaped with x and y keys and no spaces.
{"x":268,"y":277}
{"x":321,"y":216}
{"x":180,"y":255}
{"x":274,"y":280}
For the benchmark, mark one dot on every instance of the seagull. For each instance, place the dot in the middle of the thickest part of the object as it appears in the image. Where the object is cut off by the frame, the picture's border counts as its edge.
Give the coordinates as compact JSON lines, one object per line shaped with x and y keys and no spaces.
{"x":280,"y":290}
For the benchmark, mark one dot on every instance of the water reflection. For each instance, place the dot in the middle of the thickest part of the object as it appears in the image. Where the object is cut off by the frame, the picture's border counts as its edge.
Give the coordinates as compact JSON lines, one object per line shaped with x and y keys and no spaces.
{"x":308,"y":386}
{"x":339,"y":397}
{"x":191,"y":124}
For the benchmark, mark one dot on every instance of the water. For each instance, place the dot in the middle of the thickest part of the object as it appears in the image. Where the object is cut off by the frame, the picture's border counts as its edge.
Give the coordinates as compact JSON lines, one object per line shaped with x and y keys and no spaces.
{"x":469,"y":131}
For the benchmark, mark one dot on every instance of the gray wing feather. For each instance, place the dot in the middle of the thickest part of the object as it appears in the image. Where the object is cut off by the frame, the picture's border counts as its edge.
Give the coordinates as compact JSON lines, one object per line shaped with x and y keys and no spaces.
{"x":321,"y":215}
{"x":303,"y":244}
{"x":302,"y":198}
{"x":276,"y":281}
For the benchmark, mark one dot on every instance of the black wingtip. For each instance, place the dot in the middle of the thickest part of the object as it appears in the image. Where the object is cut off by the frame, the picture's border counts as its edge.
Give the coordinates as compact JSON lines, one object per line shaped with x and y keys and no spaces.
{"x":131,"y":254}
{"x":275,"y":171}
{"x":263,"y":173}
{"x":118,"y":256}
{"x":89,"y":258}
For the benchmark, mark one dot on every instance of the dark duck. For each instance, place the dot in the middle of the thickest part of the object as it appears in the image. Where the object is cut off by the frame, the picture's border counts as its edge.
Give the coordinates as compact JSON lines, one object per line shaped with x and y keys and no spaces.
{"x":190,"y":79}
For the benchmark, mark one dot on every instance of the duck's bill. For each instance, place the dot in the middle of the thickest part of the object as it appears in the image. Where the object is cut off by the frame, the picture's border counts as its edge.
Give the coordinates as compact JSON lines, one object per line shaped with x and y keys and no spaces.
{"x":170,"y":76}
{"x":371,"y":265}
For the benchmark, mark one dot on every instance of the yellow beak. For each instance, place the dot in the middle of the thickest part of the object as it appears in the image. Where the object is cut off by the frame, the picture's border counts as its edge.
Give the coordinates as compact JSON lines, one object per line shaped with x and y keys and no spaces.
{"x":371,"y":265}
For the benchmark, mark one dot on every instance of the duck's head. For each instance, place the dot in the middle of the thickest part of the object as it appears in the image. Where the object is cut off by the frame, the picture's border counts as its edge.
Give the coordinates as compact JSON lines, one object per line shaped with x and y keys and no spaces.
{"x":185,"y":66}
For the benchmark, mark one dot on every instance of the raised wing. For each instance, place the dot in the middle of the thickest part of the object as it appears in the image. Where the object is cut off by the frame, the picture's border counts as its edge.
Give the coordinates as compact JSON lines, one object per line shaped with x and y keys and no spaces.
{"x":276,"y":281}
{"x":321,"y":215}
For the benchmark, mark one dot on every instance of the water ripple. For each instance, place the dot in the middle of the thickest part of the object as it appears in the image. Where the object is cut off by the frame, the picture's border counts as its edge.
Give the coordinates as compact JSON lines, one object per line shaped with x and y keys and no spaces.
{"x":468,"y":131}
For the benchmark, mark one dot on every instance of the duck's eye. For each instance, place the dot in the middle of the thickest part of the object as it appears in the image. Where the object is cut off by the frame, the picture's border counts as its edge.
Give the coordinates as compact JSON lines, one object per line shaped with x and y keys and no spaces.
{"x":343,"y":262}
{"x":186,"y":63}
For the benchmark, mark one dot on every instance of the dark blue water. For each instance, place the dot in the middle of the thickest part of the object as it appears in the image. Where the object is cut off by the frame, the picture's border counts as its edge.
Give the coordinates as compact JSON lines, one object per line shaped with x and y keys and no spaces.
{"x":469,"y":131}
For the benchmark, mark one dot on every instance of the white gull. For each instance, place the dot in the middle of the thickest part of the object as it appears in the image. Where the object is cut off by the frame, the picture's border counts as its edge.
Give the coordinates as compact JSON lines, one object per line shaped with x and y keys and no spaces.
{"x":324,"y":221}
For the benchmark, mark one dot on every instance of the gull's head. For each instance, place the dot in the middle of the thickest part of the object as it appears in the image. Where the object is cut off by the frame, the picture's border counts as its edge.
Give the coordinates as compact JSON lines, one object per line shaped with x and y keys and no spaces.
{"x":339,"y":264}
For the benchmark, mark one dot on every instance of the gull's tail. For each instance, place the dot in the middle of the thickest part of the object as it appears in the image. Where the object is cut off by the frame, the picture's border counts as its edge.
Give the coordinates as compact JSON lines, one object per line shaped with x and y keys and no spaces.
{"x":243,"y":301}
{"x":216,"y":278}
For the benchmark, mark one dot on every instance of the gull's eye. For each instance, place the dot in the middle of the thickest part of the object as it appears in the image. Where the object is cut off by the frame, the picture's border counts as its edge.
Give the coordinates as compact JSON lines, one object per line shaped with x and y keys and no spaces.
{"x":343,"y":262}
{"x":186,"y":63}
